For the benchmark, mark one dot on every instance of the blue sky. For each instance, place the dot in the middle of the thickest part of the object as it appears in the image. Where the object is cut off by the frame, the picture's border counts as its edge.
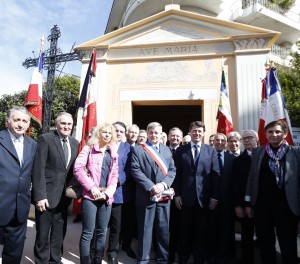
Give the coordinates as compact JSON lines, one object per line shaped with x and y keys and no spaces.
{"x":23,"y":23}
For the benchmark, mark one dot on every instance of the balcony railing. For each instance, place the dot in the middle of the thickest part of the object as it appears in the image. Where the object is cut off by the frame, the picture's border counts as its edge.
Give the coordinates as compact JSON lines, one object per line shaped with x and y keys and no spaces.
{"x":266,"y":3}
{"x":272,"y":6}
{"x":280,"y":51}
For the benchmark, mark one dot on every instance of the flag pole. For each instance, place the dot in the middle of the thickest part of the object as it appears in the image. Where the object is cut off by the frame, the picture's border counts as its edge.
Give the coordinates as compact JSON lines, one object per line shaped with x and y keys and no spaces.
{"x":42,"y":43}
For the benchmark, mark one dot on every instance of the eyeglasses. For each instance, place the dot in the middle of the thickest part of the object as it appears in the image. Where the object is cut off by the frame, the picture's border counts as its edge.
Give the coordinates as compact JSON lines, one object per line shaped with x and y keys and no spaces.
{"x":248,"y":138}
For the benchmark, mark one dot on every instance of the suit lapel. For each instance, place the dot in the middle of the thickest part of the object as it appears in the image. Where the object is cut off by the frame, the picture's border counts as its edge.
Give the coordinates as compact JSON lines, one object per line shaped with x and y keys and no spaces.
{"x":151,"y":161}
{"x":121,"y":150}
{"x":7,"y":143}
{"x":74,"y":151}
{"x":260,"y":157}
{"x":26,"y":147}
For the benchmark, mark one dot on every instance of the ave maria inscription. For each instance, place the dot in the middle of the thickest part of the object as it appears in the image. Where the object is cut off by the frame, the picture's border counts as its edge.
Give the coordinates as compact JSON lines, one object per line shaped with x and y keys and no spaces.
{"x":168,"y":51}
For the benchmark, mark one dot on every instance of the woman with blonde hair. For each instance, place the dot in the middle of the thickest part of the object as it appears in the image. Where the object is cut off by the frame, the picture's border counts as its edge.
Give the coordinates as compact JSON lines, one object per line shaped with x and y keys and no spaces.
{"x":96,"y":169}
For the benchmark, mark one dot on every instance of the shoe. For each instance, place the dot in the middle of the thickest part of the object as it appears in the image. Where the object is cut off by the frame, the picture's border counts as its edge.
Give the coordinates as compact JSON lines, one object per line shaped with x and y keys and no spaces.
{"x":130,"y":253}
{"x":77,"y":219}
{"x":112,"y":260}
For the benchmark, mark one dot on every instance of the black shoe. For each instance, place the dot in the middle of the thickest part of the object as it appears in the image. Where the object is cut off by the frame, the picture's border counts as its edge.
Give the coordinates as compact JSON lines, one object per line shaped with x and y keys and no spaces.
{"x":112,"y":260}
{"x":130,"y":253}
{"x":77,"y":219}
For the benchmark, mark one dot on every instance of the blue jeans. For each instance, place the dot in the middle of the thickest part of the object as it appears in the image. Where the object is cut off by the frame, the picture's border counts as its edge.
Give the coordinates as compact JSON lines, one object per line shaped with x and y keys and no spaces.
{"x":95,"y":216}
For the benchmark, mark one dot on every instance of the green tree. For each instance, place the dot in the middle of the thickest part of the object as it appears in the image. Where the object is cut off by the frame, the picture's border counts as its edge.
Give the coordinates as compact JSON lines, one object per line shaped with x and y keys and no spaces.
{"x":65,"y":99}
{"x":65,"y":96}
{"x":290,"y":84}
{"x":285,"y":4}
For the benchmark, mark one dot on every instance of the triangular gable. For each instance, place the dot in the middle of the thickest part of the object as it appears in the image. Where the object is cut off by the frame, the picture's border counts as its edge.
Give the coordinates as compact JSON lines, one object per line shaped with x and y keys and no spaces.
{"x":178,"y":26}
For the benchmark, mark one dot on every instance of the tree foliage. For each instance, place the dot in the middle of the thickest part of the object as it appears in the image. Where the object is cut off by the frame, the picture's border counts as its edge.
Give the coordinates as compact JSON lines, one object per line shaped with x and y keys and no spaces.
{"x":290,"y":84}
{"x":285,"y":4}
{"x":65,"y":99}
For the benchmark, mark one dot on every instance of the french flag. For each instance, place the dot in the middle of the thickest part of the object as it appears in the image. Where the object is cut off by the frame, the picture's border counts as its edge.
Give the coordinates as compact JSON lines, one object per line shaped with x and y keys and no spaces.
{"x":224,"y":113}
{"x":87,"y":101}
{"x":273,"y":106}
{"x":33,"y":100}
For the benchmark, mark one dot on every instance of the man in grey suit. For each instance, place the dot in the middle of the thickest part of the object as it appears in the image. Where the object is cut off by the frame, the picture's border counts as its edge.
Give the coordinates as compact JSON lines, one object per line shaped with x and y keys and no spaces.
{"x":15,"y":182}
{"x":153,"y":171}
{"x":196,"y":190}
{"x":53,"y":168}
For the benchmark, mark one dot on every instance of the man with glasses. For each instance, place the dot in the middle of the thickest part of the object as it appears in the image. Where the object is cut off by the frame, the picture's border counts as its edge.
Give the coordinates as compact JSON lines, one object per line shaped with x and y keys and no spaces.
{"x":241,"y":169}
{"x":52,"y":170}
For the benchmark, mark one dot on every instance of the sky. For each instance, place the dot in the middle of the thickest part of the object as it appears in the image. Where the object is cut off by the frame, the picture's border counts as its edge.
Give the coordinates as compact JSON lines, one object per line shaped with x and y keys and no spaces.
{"x":24,"y":22}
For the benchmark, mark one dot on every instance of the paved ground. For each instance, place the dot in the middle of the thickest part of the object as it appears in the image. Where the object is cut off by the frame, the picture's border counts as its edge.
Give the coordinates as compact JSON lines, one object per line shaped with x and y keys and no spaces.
{"x":71,"y":252}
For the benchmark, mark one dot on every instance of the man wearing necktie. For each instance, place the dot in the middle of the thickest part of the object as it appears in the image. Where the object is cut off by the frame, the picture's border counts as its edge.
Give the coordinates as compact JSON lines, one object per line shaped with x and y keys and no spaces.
{"x":241,"y":170}
{"x":52,"y":170}
{"x":16,"y":159}
{"x":234,"y":143}
{"x":196,"y":190}
{"x":152,"y":180}
{"x":221,"y":236}
{"x":175,"y":138}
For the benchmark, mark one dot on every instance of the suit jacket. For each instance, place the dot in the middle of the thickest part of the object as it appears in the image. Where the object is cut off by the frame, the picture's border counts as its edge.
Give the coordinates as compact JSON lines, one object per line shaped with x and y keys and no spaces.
{"x":241,"y":170}
{"x":146,"y":173}
{"x":291,"y":177}
{"x":123,"y":192}
{"x":226,"y":181}
{"x":50,"y":175}
{"x":15,"y":181}
{"x":196,"y":183}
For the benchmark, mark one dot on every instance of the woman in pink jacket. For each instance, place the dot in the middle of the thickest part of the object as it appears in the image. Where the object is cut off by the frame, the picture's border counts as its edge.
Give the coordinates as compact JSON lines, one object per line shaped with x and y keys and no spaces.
{"x":96,"y":169}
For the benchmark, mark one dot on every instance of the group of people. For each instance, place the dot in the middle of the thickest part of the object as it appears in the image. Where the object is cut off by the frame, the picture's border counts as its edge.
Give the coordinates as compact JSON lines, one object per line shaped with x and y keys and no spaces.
{"x":128,"y":176}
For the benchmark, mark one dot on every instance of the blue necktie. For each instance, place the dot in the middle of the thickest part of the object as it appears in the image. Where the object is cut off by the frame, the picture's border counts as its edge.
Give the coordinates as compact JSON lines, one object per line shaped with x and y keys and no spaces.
{"x":196,"y":153}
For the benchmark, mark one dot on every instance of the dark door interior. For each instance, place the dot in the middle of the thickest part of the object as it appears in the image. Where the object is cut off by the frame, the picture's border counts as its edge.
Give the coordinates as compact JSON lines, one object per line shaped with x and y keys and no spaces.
{"x":167,"y":115}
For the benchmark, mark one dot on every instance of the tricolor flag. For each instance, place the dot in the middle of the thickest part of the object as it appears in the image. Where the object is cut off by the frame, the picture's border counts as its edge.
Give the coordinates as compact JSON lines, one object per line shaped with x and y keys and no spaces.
{"x":224,"y":112}
{"x":87,"y":101}
{"x":33,"y":100}
{"x":273,"y":106}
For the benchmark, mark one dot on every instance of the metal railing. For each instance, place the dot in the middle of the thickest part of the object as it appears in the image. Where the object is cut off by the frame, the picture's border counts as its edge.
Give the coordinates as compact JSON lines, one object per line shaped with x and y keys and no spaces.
{"x":280,"y":51}
{"x":272,"y":6}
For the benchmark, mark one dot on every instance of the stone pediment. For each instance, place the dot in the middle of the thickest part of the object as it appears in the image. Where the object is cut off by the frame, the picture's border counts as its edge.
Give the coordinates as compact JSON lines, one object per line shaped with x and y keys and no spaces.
{"x":171,"y":32}
{"x":179,"y":26}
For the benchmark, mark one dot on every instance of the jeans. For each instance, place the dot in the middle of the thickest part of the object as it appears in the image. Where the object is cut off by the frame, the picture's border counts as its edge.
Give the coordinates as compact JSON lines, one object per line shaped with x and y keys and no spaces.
{"x":95,"y":216}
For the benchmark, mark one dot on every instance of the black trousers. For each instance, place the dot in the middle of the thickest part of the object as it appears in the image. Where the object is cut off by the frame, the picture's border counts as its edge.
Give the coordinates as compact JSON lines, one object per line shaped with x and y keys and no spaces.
{"x":115,"y":229}
{"x":221,"y":236}
{"x":129,"y":225}
{"x":51,"y":223}
{"x":247,"y":240}
{"x":193,"y":225}
{"x":276,"y":220}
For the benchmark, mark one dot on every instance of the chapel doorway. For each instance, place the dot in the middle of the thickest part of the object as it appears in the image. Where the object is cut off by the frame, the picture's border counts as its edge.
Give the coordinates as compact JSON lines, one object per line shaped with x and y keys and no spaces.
{"x":168,"y":113}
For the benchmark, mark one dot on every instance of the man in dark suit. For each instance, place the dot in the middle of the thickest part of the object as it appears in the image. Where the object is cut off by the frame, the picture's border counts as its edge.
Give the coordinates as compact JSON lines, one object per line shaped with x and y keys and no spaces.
{"x":221,"y":236}
{"x":16,"y":159}
{"x":53,"y":168}
{"x":121,"y":197}
{"x":174,"y":138}
{"x":196,"y":190}
{"x":153,"y":170}
{"x":241,"y":170}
